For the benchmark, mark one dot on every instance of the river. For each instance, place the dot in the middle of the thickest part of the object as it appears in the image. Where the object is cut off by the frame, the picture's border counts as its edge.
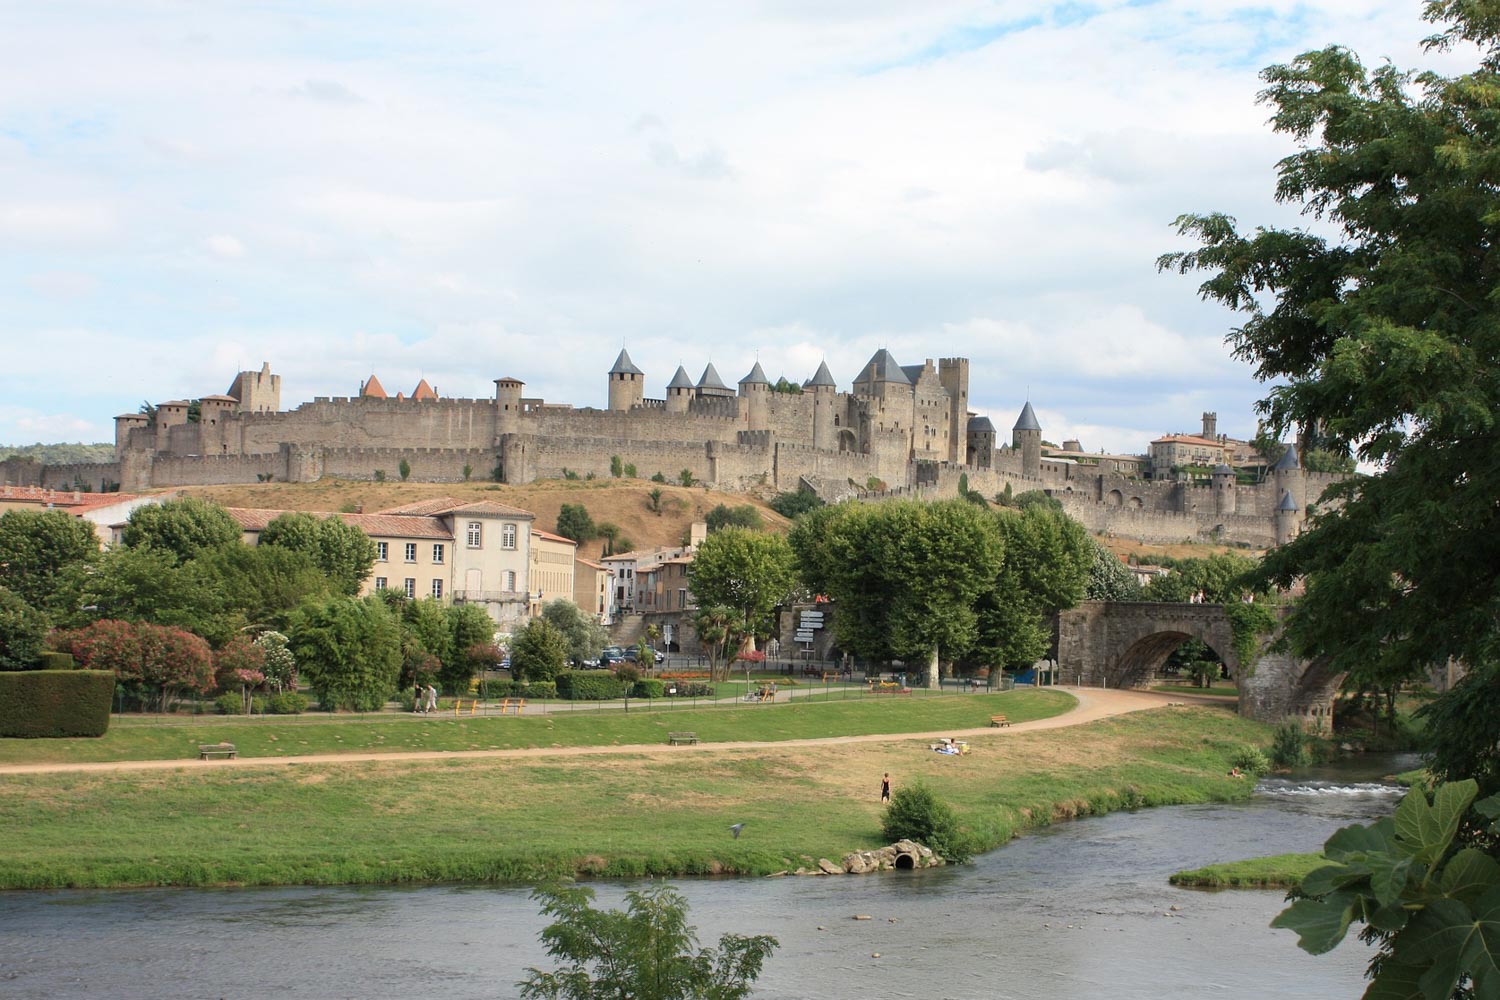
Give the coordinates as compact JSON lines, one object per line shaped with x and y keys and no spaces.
{"x":1077,"y":910}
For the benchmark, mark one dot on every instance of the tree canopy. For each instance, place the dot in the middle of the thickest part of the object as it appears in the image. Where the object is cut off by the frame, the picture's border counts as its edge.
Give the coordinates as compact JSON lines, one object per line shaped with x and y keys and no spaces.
{"x":343,"y":552}
{"x":183,"y":528}
{"x":37,"y":546}
{"x":349,"y":651}
{"x":586,"y":637}
{"x":745,"y":571}
{"x":538,"y":651}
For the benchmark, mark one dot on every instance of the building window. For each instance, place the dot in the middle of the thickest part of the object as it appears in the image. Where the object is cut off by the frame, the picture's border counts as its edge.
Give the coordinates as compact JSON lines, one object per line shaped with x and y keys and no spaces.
{"x":681,"y":598}
{"x":437,"y":589}
{"x":382,"y":551}
{"x":508,"y":537}
{"x":437,"y":553}
{"x":476,"y":534}
{"x":380,"y":583}
{"x":411,"y":587}
{"x":510,"y":580}
{"x":411,"y":551}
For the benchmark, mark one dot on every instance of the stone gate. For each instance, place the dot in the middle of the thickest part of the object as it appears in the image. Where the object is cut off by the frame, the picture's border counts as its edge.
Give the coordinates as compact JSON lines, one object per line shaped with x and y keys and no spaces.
{"x":1125,"y":643}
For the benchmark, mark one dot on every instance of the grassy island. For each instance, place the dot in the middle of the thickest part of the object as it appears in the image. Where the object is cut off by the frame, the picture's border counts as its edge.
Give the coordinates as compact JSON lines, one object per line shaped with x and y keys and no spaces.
{"x":1279,"y":871}
{"x":628,"y":813}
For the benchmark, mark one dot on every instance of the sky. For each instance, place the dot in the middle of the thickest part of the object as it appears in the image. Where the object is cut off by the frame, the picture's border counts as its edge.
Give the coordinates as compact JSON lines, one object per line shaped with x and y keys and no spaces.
{"x":460,"y":191}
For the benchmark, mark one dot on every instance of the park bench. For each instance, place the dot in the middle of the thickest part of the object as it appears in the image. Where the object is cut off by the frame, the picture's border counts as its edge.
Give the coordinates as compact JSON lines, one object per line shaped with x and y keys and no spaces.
{"x":999,"y":720}
{"x":207,"y":750}
{"x":458,"y":706}
{"x":675,"y":738}
{"x":512,"y":706}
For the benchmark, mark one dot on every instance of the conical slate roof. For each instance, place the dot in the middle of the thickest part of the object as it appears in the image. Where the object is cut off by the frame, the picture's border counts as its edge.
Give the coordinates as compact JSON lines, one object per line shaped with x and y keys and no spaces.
{"x":1027,"y":420}
{"x":1288,"y":461}
{"x":710,"y":379}
{"x":1287,"y":503}
{"x":886,"y":369}
{"x":757,"y":376}
{"x":822,"y":377}
{"x":624,"y":366}
{"x":1223,"y":470}
{"x":980,"y":425}
{"x":682,"y":380}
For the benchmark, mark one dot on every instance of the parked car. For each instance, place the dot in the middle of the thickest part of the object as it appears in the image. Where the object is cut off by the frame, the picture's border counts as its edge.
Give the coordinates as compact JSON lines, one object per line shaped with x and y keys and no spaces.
{"x":611,"y":655}
{"x":633,"y":654}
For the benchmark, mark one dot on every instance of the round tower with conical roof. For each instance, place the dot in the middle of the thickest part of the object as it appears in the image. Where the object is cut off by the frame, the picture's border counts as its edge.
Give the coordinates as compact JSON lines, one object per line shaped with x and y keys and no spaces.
{"x":825,"y":393}
{"x":755,"y":398}
{"x":627,"y":383}
{"x":679,"y":391}
{"x":1287,"y":475}
{"x":1288,"y":519}
{"x":1026,"y":437}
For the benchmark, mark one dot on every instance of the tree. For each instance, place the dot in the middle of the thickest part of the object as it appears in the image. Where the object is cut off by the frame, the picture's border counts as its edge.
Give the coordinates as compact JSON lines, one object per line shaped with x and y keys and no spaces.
{"x":653,"y":501}
{"x":403,"y":468}
{"x":342,"y":551}
{"x":648,"y":951}
{"x":149,"y":585}
{"x":263,"y":583}
{"x":153,"y":663}
{"x":538,"y":651}
{"x":742,"y":516}
{"x":23,"y":630}
{"x":277,"y":661}
{"x":1048,"y":556}
{"x":614,"y":539}
{"x":586,"y":637}
{"x":685,"y":477}
{"x":907,"y":576}
{"x":746,"y":571}
{"x":915,"y":813}
{"x":712,"y":621}
{"x":471,"y":645}
{"x":426,"y":638}
{"x":1384,"y":335}
{"x":616,"y":466}
{"x":573,"y":521}
{"x":1110,"y":579}
{"x":1221,"y":578}
{"x":349,"y":650}
{"x":184,"y":528}
{"x":795,"y":502}
{"x":38,"y":546}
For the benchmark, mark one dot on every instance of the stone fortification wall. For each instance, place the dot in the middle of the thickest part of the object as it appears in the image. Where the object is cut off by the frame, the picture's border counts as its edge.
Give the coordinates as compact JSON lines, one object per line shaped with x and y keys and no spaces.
{"x":428,"y":465}
{"x":206,"y":470}
{"x":97,"y":477}
{"x":790,"y":416}
{"x":1164,"y":527}
{"x":544,"y":456}
{"x":794,"y":462}
{"x":640,"y":424}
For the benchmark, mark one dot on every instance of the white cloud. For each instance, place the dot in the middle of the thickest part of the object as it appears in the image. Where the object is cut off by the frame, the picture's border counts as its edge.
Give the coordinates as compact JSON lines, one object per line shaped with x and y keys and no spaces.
{"x":223,"y":245}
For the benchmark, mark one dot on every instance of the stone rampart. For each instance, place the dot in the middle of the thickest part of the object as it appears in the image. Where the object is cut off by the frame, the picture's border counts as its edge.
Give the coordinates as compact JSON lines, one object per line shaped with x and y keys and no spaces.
{"x":215,"y":470}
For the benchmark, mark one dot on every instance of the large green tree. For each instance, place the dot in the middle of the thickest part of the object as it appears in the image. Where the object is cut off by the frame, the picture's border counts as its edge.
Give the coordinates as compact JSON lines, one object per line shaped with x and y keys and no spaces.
{"x":538,"y":651}
{"x":1381,"y":328}
{"x":23,"y":629}
{"x":1048,"y":559}
{"x":37,"y":546}
{"x":647,"y":951}
{"x":338,"y":548}
{"x":746,"y":571}
{"x":348,"y":650}
{"x":907,"y":576}
{"x":184,"y":528}
{"x":586,"y":637}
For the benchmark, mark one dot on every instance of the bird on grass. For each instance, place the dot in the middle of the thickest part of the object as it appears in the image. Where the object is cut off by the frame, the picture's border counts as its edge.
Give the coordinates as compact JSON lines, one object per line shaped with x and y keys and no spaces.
{"x":736,"y":830}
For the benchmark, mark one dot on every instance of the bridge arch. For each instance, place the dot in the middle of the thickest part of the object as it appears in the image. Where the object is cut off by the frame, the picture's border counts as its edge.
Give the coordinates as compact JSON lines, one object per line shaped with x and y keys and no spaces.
{"x":1124,"y":643}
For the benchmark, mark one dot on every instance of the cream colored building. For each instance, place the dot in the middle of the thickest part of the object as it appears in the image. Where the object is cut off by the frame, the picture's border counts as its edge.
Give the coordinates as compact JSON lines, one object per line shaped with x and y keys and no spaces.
{"x":552,"y":559}
{"x":476,"y":553}
{"x":594,"y":590}
{"x":1177,"y":450}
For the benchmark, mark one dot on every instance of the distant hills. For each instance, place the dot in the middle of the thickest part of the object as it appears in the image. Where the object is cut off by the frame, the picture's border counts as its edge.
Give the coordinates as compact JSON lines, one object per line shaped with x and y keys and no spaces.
{"x":59,"y":454}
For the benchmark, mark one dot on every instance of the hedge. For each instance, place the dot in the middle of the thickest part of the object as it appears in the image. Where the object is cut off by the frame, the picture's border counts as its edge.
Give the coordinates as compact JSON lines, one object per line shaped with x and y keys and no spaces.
{"x":52,"y":660}
{"x":589,"y":685}
{"x":53,"y":703}
{"x":513,"y":689}
{"x":649,"y":688}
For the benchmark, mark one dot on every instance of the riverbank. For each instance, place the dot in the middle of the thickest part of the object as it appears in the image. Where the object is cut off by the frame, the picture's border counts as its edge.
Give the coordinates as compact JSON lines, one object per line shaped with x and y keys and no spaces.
{"x":623,"y":814}
{"x":1279,"y":871}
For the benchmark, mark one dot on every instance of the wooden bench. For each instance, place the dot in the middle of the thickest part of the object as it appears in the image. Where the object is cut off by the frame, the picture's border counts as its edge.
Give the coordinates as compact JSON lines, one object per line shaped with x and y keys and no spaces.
{"x":999,"y":720}
{"x":207,"y":750}
{"x":512,"y":706}
{"x":675,"y":738}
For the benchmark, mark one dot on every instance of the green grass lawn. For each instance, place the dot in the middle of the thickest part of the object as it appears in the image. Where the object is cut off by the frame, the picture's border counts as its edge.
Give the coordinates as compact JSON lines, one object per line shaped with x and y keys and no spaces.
{"x":1280,"y":871}
{"x":290,"y":736}
{"x":627,"y":814}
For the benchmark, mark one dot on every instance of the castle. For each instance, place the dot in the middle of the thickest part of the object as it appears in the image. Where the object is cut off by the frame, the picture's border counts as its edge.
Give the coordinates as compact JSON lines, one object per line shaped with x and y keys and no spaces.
{"x":898,"y":431}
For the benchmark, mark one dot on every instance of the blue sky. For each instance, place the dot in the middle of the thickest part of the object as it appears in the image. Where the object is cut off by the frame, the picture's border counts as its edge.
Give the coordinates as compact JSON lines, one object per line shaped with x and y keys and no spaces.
{"x":465,"y":190}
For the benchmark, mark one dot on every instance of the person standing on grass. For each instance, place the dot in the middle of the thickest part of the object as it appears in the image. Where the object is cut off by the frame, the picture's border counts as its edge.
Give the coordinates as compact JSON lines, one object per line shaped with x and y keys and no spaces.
{"x":885,"y":788}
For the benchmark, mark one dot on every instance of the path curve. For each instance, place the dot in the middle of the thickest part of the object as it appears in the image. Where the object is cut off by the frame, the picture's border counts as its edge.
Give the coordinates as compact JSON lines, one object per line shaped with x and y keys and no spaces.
{"x":1093,"y":704}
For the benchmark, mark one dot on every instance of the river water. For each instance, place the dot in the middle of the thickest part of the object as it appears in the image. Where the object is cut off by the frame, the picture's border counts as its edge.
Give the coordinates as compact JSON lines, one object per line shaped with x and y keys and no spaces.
{"x":1078,"y":910}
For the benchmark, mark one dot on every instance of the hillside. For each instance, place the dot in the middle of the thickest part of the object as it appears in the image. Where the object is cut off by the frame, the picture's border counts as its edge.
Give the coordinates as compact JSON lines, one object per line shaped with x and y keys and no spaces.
{"x":624,"y":502}
{"x":59,"y":454}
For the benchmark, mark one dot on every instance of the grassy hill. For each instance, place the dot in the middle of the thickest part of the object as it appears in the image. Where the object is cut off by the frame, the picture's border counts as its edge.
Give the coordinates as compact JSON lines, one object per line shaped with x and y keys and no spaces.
{"x":625,"y":502}
{"x":59,"y":454}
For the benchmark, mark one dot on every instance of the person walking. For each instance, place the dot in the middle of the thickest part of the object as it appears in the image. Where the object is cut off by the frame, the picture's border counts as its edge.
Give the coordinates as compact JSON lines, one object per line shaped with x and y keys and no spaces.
{"x":885,"y":788}
{"x":417,"y":697}
{"x":432,"y":697}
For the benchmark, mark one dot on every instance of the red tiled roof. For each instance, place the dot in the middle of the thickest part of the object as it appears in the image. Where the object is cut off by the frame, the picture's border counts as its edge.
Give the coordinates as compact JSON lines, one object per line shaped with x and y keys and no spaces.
{"x":452,"y":505}
{"x":549,"y":536}
{"x":374,"y":525}
{"x":72,"y":499}
{"x":373,"y":389}
{"x":591,"y":564}
{"x":1188,"y":439}
{"x":423,"y":391}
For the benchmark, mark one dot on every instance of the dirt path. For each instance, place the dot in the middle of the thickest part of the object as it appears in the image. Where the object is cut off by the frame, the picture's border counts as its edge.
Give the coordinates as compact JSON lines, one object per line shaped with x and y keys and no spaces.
{"x":1093,"y":704}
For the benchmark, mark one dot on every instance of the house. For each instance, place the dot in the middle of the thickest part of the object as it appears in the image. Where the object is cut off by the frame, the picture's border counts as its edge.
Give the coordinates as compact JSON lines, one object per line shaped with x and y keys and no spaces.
{"x":107,"y":512}
{"x":594,"y":590}
{"x":552,"y":558}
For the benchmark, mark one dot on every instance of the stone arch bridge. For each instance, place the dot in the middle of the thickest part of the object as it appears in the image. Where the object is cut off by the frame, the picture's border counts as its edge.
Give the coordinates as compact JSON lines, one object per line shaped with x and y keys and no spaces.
{"x":1124,"y":644}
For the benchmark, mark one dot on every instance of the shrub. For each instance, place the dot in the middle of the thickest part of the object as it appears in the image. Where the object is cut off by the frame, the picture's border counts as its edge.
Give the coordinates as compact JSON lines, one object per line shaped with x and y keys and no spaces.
{"x":1289,"y":746}
{"x":1251,"y":761}
{"x":51,"y":660}
{"x":55,"y":703}
{"x":650,"y":688}
{"x":538,"y":689}
{"x":230,"y":703}
{"x":915,"y":813}
{"x":589,"y":685}
{"x":693,"y":689}
{"x":287,"y":703}
{"x":23,"y":629}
